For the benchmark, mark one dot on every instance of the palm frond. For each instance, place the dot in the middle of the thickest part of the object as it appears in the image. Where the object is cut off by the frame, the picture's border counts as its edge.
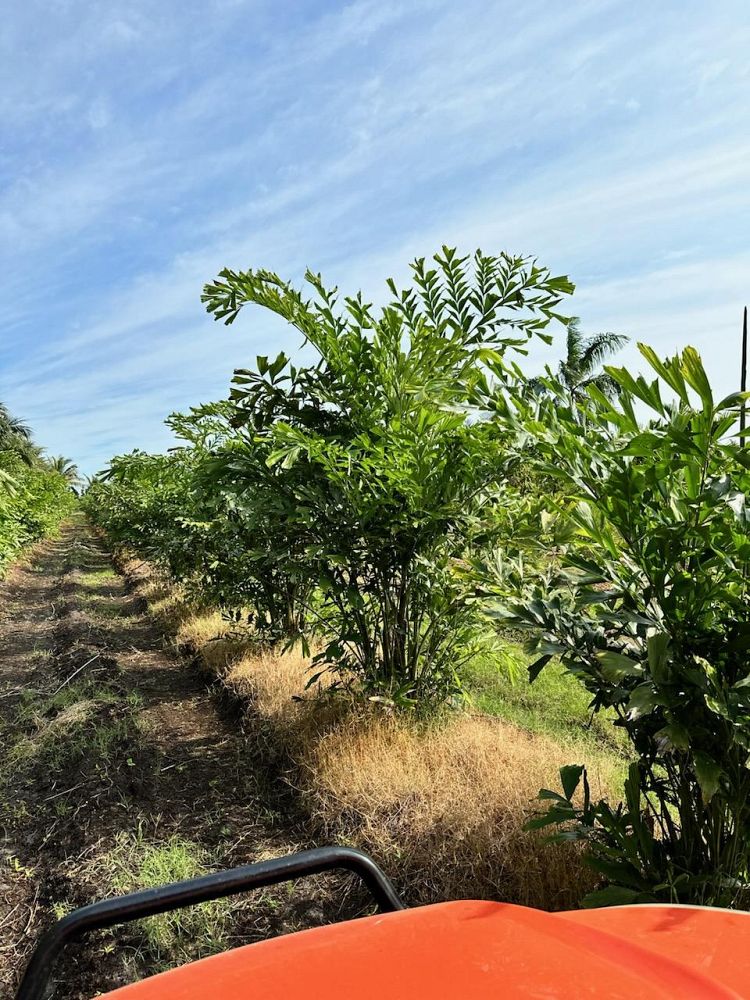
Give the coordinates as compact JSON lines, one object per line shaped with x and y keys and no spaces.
{"x":535,"y":386}
{"x":574,"y":344}
{"x":12,"y":425}
{"x":66,"y":467}
{"x":604,"y":382}
{"x":599,"y":347}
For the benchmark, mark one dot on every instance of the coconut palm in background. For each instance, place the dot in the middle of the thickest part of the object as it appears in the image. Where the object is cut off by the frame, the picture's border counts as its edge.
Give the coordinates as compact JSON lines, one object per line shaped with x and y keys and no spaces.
{"x":581,"y":366}
{"x":11,"y":428}
{"x":15,"y":436}
{"x":66,"y":467}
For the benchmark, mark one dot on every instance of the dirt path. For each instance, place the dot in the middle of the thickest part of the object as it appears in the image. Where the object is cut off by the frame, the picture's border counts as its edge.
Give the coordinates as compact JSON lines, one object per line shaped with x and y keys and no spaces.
{"x":120,"y":768}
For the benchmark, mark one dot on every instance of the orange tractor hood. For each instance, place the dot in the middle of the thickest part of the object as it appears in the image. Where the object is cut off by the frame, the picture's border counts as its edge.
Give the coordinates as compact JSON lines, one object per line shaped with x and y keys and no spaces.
{"x":475,"y":950}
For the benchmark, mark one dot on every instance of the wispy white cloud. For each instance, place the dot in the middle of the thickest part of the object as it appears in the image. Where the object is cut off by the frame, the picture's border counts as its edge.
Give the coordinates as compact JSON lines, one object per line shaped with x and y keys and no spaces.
{"x":153,"y":144}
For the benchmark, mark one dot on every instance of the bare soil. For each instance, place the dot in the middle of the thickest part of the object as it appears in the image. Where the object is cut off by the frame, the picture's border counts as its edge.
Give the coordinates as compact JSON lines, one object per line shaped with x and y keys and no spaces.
{"x":106,"y":733}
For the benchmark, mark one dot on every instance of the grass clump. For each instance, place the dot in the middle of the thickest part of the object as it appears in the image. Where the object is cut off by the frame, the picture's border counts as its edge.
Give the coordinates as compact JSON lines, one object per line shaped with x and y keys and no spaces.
{"x":88,"y":729}
{"x":137,"y":862}
{"x":99,"y":578}
{"x":106,"y":608}
{"x":442,"y":806}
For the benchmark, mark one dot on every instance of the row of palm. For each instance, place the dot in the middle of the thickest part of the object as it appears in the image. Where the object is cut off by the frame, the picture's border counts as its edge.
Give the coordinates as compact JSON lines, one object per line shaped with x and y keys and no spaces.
{"x":15,"y":437}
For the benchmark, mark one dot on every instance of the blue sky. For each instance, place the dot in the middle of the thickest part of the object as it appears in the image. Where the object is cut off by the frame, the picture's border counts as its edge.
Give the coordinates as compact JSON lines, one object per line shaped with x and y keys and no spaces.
{"x":143,"y":146}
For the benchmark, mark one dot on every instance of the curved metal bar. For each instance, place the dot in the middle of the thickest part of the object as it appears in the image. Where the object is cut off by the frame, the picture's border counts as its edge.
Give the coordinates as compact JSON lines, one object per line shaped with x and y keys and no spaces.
{"x":123,"y":909}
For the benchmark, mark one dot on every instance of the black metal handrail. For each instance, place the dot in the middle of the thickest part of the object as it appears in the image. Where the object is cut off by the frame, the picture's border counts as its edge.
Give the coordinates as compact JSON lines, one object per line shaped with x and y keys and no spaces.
{"x":123,"y":909}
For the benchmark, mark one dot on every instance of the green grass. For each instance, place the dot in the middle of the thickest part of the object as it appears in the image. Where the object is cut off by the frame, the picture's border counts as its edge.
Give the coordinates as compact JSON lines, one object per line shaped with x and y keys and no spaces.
{"x":99,"y":577}
{"x":86,"y":725}
{"x":108,"y":608}
{"x":556,"y":704}
{"x":136,"y":862}
{"x":38,"y":656}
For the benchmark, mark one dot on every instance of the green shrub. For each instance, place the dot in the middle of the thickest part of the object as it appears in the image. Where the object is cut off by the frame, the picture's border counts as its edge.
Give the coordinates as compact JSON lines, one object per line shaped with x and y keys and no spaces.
{"x":645,"y":600}
{"x":141,"y":502}
{"x":369,"y":459}
{"x":204,"y":512}
{"x":33,"y":501}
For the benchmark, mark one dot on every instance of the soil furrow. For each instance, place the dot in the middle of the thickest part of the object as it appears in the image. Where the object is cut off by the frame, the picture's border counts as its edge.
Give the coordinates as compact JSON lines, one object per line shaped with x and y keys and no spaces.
{"x":122,"y":768}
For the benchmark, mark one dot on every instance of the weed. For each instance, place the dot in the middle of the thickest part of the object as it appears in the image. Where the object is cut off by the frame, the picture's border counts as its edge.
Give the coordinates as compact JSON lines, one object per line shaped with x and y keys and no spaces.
{"x":83,"y":728}
{"x":18,"y":868}
{"x":134,"y":700}
{"x":40,"y":656}
{"x":136,"y":862}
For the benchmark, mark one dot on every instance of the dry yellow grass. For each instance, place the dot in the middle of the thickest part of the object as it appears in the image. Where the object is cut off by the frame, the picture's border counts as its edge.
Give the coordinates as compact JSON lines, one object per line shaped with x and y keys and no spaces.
{"x":270,"y":681}
{"x":194,"y":629}
{"x":167,"y":601}
{"x":441,"y":807}
{"x":210,"y":635}
{"x":200,"y":628}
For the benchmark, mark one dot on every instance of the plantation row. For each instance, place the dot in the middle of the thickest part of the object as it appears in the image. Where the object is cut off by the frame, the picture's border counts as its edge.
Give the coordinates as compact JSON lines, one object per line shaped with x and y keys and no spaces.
{"x":35,"y":492}
{"x":391,"y":499}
